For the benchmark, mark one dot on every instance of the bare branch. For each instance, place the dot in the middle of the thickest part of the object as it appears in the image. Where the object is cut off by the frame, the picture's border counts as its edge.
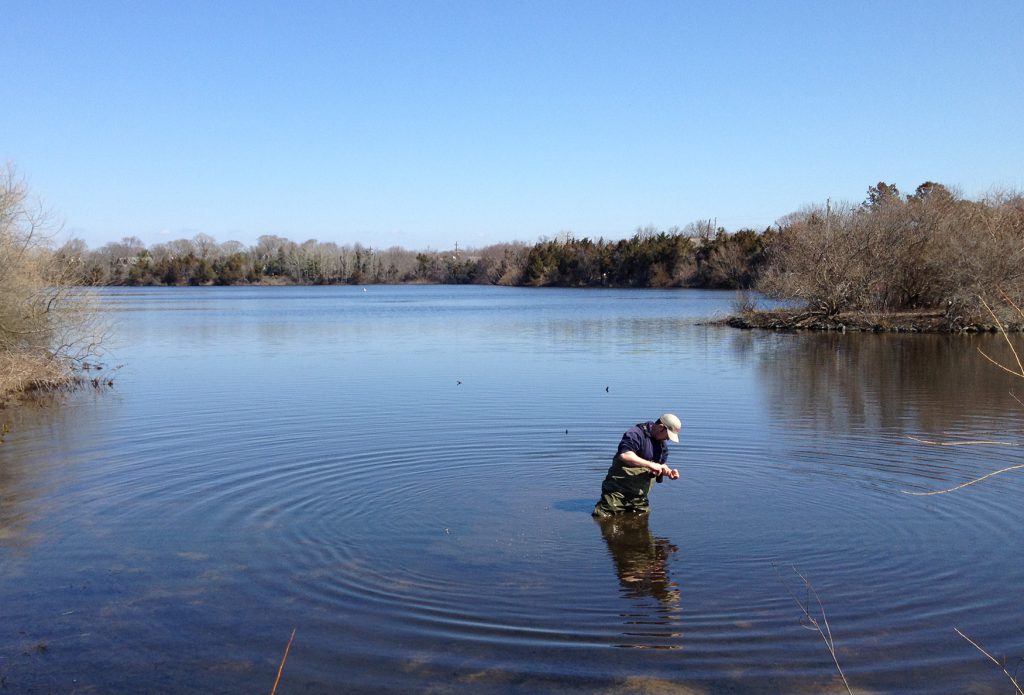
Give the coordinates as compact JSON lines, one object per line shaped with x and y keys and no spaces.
{"x":967,"y":484}
{"x":1006,"y":337}
{"x":1001,"y":365}
{"x":971,"y":443}
{"x":1008,"y":300}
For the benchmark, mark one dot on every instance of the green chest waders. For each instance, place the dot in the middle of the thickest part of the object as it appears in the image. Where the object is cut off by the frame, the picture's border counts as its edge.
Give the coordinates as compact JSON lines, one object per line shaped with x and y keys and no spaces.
{"x":624,"y":489}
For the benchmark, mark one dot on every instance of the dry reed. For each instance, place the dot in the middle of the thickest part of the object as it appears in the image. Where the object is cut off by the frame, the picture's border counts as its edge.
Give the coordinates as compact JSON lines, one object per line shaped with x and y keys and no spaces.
{"x":822,"y":626}
{"x":993,"y":660}
{"x":280,"y":668}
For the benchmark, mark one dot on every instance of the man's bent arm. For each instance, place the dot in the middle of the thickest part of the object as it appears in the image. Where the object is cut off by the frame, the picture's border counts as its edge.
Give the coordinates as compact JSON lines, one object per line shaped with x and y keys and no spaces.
{"x":633,"y":459}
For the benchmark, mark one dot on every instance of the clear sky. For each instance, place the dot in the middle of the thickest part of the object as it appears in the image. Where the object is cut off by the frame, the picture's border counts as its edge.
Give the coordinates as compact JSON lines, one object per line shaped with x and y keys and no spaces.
{"x":428,"y":122}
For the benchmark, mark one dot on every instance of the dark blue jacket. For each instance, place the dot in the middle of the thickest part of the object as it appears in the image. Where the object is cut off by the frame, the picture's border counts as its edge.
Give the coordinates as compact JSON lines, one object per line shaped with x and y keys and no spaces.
{"x":638,"y":439}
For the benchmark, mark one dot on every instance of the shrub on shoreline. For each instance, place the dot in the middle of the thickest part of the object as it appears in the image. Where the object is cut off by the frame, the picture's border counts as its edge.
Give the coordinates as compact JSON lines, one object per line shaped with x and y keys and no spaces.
{"x":23,"y":372}
{"x":926,"y":253}
{"x":48,"y":323}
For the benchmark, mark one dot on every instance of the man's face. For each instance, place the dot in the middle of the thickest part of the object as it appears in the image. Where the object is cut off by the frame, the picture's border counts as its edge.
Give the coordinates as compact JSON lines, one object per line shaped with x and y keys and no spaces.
{"x":659,"y":431}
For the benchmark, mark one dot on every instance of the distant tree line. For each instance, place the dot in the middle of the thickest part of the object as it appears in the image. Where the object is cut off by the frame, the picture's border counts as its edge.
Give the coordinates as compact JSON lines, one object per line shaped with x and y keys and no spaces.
{"x":276,"y":260}
{"x":929,"y":251}
{"x":698,"y":256}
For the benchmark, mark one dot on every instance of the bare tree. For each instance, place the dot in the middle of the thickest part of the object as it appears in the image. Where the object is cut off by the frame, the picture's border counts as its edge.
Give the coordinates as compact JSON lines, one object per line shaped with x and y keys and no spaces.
{"x":701,"y":229}
{"x":205,"y":245}
{"x":48,"y":324}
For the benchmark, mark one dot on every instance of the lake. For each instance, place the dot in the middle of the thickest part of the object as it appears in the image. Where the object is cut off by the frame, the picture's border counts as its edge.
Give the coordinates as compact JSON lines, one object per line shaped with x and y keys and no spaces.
{"x":404,"y":476}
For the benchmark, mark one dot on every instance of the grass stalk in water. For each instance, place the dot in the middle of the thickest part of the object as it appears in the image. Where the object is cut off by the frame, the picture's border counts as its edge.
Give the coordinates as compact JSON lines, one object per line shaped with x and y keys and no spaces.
{"x":284,"y":658}
{"x":993,"y":660}
{"x":820,"y":626}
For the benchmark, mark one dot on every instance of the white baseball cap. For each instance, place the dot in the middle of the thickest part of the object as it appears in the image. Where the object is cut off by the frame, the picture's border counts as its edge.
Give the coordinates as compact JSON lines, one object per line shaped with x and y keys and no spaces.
{"x":673,"y":426}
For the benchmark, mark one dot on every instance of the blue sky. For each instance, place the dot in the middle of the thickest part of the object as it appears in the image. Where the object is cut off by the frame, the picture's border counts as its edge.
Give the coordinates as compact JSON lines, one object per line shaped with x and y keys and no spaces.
{"x":422,"y":124}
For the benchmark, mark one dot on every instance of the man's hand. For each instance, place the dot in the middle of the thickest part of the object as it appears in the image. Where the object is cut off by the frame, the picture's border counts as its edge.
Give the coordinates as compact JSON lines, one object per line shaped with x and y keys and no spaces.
{"x":663,"y":470}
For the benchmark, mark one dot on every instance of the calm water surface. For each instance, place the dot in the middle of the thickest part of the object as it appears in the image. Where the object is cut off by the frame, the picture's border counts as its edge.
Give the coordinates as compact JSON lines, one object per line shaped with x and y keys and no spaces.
{"x":404,"y":475}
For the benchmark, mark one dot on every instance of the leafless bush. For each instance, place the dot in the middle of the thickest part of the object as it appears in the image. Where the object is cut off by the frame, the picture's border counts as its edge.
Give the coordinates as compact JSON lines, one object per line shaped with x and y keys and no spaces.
{"x":930,"y":251}
{"x":48,"y":324}
{"x":744,"y":304}
{"x":821,"y":257}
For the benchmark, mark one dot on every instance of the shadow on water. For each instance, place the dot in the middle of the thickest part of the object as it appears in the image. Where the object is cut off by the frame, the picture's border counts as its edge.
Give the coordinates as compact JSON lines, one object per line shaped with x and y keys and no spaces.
{"x":641,"y":564}
{"x":576,"y":506}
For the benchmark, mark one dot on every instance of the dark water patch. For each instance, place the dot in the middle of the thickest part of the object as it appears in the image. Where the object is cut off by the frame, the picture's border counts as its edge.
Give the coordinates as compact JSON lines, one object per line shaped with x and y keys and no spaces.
{"x":579,"y":506}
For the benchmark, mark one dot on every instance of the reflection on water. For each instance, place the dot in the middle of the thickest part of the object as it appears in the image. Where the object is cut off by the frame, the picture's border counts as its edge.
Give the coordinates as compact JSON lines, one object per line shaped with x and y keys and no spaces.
{"x":641,"y":563}
{"x":853,"y":403}
{"x":15,"y":505}
{"x":31,"y":471}
{"x":912,"y":383}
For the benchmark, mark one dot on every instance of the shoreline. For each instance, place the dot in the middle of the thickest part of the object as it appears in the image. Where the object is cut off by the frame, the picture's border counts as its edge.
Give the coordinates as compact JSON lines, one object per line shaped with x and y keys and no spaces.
{"x":795,"y":320}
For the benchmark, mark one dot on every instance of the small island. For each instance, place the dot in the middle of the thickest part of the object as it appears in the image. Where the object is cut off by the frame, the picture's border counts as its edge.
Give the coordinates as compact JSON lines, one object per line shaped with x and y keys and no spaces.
{"x":927,"y":262}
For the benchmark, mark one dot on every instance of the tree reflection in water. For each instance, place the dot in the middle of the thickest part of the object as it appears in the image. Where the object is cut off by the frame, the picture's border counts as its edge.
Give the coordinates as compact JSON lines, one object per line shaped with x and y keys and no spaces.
{"x":641,"y":563}
{"x":849,"y":383}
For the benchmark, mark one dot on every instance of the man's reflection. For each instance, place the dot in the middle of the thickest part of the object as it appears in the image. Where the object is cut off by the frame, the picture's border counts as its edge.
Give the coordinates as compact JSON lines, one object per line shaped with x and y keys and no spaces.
{"x":641,"y":559}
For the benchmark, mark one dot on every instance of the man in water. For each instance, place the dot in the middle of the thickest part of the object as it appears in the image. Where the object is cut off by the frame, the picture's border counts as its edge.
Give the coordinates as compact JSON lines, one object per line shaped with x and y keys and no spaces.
{"x":639,"y":461}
